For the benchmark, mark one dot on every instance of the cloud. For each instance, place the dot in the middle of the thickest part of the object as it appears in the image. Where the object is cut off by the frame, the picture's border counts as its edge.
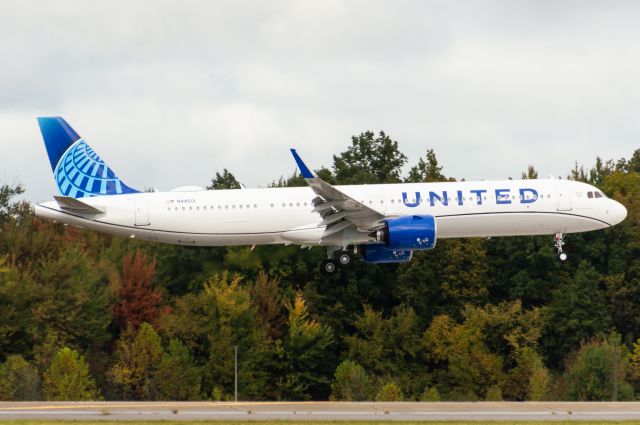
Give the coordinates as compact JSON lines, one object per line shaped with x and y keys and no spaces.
{"x":169,"y":92}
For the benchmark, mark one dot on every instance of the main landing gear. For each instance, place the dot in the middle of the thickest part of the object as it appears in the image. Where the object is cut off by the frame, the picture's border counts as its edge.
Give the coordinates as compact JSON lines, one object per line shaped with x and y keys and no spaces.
{"x":342,"y":258}
{"x":559,"y":243}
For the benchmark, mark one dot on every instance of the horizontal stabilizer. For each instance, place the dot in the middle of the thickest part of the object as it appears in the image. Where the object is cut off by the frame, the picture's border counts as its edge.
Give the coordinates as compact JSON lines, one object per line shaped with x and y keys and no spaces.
{"x":75,"y":205}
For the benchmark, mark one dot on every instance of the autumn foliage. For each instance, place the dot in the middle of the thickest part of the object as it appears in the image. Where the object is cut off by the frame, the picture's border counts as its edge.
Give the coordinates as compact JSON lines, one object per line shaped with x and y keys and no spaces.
{"x":138,"y":300}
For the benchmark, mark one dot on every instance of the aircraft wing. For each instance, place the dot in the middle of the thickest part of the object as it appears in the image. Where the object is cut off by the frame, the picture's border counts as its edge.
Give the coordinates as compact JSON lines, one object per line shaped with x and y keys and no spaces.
{"x":338,"y":210}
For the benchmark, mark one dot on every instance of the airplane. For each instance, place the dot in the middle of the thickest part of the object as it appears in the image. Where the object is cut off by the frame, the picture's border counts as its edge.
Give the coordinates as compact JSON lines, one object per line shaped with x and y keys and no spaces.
{"x":383,"y":223}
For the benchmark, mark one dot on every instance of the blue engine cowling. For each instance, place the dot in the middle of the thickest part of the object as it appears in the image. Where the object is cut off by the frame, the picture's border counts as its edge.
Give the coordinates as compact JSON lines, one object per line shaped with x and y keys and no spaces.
{"x":379,"y":253}
{"x":400,"y":237}
{"x":409,"y":232}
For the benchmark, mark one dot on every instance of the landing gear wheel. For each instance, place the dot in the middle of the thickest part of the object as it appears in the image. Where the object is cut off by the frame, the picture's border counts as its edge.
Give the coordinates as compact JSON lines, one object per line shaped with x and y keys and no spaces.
{"x":328,"y":266}
{"x":559,"y":243}
{"x":344,"y":258}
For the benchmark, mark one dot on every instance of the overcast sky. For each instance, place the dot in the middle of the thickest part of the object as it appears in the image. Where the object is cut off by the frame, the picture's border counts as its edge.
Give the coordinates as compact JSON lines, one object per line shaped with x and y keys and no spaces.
{"x":169,"y":92}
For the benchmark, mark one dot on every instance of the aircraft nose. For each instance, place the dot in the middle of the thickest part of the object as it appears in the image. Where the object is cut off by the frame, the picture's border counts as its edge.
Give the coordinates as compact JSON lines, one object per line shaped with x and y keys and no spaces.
{"x":618,"y":212}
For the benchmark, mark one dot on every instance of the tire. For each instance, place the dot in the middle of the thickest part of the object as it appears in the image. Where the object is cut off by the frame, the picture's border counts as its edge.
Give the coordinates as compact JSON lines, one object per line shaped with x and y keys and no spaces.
{"x":328,"y":267}
{"x":344,"y":258}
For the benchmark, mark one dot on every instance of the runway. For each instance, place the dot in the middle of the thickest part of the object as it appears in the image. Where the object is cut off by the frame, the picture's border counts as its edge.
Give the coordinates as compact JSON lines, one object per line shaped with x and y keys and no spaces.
{"x":335,"y":411}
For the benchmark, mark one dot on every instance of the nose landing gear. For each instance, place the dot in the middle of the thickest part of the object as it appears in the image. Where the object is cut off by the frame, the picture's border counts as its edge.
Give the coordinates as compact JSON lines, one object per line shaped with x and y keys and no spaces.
{"x":559,"y":243}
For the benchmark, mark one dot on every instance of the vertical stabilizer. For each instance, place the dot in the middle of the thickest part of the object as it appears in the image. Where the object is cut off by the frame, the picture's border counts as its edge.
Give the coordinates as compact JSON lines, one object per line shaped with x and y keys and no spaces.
{"x":77,"y":169}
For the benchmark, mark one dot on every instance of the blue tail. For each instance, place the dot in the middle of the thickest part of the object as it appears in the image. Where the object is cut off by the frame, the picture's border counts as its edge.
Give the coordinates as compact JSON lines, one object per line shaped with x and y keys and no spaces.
{"x":77,"y":169}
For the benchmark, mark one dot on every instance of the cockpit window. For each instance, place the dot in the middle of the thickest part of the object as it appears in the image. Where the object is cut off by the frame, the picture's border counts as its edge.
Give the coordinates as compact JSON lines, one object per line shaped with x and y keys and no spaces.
{"x":598,"y":194}
{"x":589,"y":194}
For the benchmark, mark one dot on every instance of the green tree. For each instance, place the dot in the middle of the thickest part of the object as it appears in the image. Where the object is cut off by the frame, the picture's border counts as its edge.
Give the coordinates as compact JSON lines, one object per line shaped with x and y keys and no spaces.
{"x":442,"y":281}
{"x":369,"y":159}
{"x":390,"y":392}
{"x":305,"y":367}
{"x":351,"y":383}
{"x":430,"y":394}
{"x":529,"y":379}
{"x":531,"y":173}
{"x":138,"y":356}
{"x":7,"y":207}
{"x":385,"y":346}
{"x":427,"y":170}
{"x":597,"y":371}
{"x":231,"y":321}
{"x":16,"y":321}
{"x":226,"y":180}
{"x":19,"y":380}
{"x":177,"y":377}
{"x":68,"y":378}
{"x":577,"y":312}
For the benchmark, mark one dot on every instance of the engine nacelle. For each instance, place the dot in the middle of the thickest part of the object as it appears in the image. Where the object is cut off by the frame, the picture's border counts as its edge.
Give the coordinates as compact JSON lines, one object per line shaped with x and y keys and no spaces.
{"x":378,"y":253}
{"x":409,"y":232}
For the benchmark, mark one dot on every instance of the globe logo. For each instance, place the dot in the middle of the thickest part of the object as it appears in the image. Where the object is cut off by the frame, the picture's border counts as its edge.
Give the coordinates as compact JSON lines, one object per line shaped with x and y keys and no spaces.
{"x":81,"y":173}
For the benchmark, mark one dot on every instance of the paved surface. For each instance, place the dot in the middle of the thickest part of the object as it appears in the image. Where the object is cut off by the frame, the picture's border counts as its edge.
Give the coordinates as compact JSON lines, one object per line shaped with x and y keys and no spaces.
{"x":480,"y":411}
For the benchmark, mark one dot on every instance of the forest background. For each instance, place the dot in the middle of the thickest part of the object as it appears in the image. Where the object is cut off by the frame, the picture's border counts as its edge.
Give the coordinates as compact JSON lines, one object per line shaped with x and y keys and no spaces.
{"x":89,"y":316}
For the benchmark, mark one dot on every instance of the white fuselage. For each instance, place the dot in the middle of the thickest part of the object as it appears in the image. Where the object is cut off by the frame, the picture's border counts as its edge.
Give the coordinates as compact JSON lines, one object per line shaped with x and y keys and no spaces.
{"x":284,"y":215}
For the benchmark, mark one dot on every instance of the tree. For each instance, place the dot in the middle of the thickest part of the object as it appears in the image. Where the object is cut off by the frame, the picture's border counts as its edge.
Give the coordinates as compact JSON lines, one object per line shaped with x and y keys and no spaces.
{"x":177,"y":377}
{"x":463,"y":365}
{"x":138,"y":300}
{"x":19,"y":380}
{"x":426,"y":171}
{"x":138,"y":356}
{"x":529,"y":379}
{"x":390,"y":392}
{"x":231,"y":321}
{"x":369,"y":159}
{"x":16,"y":321}
{"x":226,"y":180}
{"x":265,"y":295}
{"x":303,"y":354}
{"x":444,"y":280}
{"x":351,"y":383}
{"x":7,"y":208}
{"x":597,"y":371}
{"x":577,"y":312}
{"x":69,"y":297}
{"x":531,"y":173}
{"x":68,"y":378}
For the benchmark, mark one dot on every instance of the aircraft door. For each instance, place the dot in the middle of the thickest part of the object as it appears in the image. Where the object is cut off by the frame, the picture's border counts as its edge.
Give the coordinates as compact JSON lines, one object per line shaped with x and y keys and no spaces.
{"x":142,"y":211}
{"x":564,"y":196}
